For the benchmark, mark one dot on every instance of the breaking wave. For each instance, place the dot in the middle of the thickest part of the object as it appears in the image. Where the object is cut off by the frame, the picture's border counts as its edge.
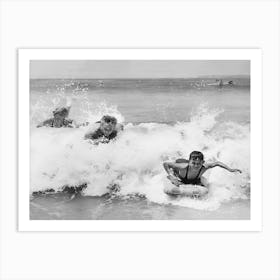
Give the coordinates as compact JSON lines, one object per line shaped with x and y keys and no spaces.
{"x":134,"y":160}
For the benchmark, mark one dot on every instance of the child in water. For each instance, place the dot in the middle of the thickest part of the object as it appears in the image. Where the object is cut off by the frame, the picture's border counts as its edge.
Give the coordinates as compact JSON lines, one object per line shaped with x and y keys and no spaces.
{"x":189,"y":172}
{"x":60,"y":118}
{"x":104,"y":130}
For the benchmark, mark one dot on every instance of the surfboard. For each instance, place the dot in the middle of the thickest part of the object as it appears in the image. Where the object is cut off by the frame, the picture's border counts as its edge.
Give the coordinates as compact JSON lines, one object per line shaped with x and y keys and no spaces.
{"x":184,"y":190}
{"x":229,"y":83}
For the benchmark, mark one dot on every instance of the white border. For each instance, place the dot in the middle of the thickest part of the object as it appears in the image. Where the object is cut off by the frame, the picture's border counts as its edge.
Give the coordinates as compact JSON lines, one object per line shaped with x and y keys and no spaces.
{"x":254,"y":55}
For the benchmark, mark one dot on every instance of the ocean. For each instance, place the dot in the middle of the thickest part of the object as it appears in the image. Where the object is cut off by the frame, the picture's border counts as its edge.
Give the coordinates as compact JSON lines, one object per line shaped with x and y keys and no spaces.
{"x":163,"y":119}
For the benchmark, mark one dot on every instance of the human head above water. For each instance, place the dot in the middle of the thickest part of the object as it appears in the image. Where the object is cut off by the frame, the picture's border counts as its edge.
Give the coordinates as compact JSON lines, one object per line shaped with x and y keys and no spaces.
{"x":108,"y":124}
{"x":62,"y":112}
{"x":196,"y":155}
{"x":196,"y":159}
{"x":109,"y":119}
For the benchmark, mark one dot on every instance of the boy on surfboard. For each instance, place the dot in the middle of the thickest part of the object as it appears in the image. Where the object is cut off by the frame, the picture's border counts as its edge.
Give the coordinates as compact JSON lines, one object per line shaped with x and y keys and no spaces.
{"x":186,"y":175}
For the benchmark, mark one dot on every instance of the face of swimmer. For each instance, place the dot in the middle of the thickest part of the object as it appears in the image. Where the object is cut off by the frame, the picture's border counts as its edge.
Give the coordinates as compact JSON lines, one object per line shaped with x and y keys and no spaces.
{"x":59,"y":115}
{"x":108,"y":125}
{"x":58,"y":119}
{"x":195,"y":162}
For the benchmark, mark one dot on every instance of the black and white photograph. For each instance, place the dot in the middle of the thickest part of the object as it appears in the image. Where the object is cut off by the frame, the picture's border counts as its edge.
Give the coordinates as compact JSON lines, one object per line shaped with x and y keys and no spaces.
{"x":140,"y":139}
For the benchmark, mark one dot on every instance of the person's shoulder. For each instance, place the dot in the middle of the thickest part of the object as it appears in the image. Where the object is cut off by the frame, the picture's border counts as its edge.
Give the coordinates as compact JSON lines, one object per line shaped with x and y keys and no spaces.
{"x":181,"y":160}
{"x":48,"y":122}
{"x":93,"y":132}
{"x":93,"y":127}
{"x":179,"y":165}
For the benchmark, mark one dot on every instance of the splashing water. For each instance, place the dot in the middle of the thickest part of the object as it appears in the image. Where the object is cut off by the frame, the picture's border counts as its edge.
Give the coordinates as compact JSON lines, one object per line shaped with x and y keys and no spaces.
{"x":134,"y":161}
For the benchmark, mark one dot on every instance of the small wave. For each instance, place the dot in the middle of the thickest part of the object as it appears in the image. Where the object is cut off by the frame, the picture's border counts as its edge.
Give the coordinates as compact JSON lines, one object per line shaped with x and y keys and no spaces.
{"x":61,"y":157}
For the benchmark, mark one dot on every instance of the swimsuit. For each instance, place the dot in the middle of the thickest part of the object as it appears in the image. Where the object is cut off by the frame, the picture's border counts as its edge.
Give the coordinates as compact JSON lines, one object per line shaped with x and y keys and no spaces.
{"x":98,"y":134}
{"x":194,"y":181}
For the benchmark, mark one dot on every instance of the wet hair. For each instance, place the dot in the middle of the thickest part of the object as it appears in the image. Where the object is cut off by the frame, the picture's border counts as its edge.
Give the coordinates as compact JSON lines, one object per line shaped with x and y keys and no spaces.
{"x":196,"y":155}
{"x":62,"y":111}
{"x":109,"y":119}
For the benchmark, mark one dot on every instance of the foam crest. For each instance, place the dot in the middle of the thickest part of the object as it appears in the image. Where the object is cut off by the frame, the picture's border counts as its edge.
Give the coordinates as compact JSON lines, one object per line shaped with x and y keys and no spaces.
{"x":82,"y":108}
{"x":134,"y":161}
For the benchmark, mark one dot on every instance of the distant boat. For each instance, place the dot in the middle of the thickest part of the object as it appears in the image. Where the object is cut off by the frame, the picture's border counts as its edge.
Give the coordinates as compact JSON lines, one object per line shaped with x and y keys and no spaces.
{"x":221,"y":83}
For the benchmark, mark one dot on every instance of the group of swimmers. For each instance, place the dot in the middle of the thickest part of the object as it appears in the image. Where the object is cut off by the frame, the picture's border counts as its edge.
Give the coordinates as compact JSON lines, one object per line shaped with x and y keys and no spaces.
{"x":102,"y":131}
{"x":186,"y":176}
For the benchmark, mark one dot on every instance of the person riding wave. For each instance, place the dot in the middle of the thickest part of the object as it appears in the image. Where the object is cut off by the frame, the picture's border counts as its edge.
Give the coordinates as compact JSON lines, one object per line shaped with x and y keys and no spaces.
{"x":189,"y":173}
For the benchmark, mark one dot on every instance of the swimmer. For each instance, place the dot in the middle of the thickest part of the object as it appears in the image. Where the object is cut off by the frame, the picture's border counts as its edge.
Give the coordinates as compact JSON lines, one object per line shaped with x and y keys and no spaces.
{"x":60,"y":119}
{"x":104,"y":130}
{"x":221,"y":83}
{"x":189,"y":172}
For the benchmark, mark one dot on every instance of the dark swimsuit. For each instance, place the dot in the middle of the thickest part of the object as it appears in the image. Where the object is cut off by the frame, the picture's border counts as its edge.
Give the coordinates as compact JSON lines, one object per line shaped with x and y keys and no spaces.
{"x":99,"y":134}
{"x":194,"y":181}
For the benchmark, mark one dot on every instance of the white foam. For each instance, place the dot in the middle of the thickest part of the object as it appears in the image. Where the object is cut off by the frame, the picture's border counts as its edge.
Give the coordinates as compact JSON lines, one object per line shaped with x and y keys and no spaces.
{"x":134,"y":161}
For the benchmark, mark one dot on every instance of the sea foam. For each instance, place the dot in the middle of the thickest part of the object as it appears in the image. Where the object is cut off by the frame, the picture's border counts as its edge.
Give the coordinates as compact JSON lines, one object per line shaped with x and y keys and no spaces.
{"x":60,"y":157}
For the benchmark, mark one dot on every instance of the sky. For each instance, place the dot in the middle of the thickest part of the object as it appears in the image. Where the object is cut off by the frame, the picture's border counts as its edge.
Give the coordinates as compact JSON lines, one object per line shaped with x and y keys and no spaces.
{"x":129,"y":69}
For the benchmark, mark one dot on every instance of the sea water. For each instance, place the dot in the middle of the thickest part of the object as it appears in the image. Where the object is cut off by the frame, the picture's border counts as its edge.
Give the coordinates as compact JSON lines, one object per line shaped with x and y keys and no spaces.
{"x":163,"y":119}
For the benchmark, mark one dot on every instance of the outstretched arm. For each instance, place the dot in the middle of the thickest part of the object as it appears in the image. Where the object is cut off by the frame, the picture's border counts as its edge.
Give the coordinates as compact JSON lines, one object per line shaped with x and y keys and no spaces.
{"x":170,"y":167}
{"x":222,"y":165}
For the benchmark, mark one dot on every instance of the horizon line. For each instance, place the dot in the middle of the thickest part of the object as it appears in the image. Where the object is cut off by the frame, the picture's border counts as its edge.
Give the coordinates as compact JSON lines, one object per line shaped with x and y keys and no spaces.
{"x":145,"y":78}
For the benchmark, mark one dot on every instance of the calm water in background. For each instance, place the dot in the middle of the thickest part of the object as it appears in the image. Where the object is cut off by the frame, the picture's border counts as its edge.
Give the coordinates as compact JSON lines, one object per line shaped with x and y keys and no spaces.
{"x":141,"y":101}
{"x":164,"y":119}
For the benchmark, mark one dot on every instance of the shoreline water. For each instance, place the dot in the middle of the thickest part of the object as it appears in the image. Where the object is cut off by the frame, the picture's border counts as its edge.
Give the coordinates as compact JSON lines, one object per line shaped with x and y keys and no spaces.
{"x":62,"y":207}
